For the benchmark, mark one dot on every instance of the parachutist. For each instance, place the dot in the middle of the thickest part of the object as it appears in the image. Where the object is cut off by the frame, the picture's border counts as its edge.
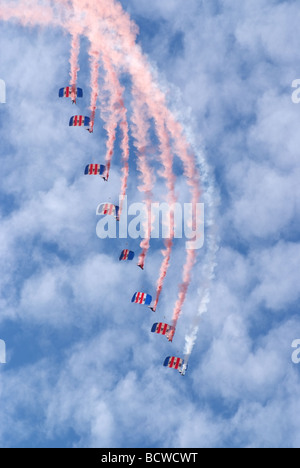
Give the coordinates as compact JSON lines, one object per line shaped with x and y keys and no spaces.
{"x":176,"y":363}
{"x":71,"y":92}
{"x":142,"y":298}
{"x":79,"y":121}
{"x":108,"y":209}
{"x":126,"y":255}
{"x":96,"y":169}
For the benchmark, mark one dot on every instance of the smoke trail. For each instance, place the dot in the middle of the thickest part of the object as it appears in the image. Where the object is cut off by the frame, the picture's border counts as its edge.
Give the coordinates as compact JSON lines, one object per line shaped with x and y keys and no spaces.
{"x":75,"y":47}
{"x":211,"y":243}
{"x":183,"y":288}
{"x":94,"y":61}
{"x":125,"y":155}
{"x":113,"y":110}
{"x":204,"y":294}
{"x":140,"y":133}
{"x":166,"y":157}
{"x":26,"y":14}
{"x":164,"y":267}
{"x":108,"y":113}
{"x":117,"y":113}
{"x":167,"y":161}
{"x":209,"y":264}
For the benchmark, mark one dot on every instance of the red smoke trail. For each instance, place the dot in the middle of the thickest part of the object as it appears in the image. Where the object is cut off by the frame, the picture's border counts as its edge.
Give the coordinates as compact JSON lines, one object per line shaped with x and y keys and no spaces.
{"x":140,"y":133}
{"x":75,"y":47}
{"x":183,"y":150}
{"x":166,"y":157}
{"x":125,"y":152}
{"x":163,"y":269}
{"x":183,"y":289}
{"x":167,"y":161}
{"x":118,"y":113}
{"x":115,"y":111}
{"x":108,"y":113}
{"x":94,"y":61}
{"x":73,"y":25}
{"x":27,"y":14}
{"x":190,"y":169}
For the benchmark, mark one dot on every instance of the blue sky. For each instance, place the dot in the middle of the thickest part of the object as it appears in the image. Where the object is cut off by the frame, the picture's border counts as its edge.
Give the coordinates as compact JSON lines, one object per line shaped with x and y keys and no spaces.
{"x":83,"y":369}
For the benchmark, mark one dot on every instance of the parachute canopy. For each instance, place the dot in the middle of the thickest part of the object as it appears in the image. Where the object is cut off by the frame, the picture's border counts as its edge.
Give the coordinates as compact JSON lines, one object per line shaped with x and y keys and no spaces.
{"x":142,"y":298}
{"x":79,"y":121}
{"x":162,"y":329}
{"x":95,"y":169}
{"x":176,"y":363}
{"x":108,"y":209}
{"x":70,"y":92}
{"x":126,"y":255}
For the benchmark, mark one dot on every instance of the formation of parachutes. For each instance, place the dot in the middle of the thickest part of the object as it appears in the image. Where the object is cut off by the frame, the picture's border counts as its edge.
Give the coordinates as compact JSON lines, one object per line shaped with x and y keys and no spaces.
{"x":109,"y":209}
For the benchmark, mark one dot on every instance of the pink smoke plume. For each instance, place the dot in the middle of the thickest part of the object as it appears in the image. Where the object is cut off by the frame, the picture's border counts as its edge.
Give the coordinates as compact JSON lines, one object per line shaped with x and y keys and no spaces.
{"x":140,"y":133}
{"x":75,"y":46}
{"x":95,"y":63}
{"x":117,"y":114}
{"x":167,"y":161}
{"x":183,"y":289}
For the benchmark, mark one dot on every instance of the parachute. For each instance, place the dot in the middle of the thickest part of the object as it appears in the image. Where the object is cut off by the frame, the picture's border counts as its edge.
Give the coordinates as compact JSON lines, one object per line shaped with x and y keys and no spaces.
{"x":70,"y":92}
{"x":176,"y":363}
{"x":126,"y":255}
{"x":162,"y":329}
{"x":142,"y":298}
{"x":108,"y":209}
{"x":79,"y":121}
{"x":96,"y":169}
